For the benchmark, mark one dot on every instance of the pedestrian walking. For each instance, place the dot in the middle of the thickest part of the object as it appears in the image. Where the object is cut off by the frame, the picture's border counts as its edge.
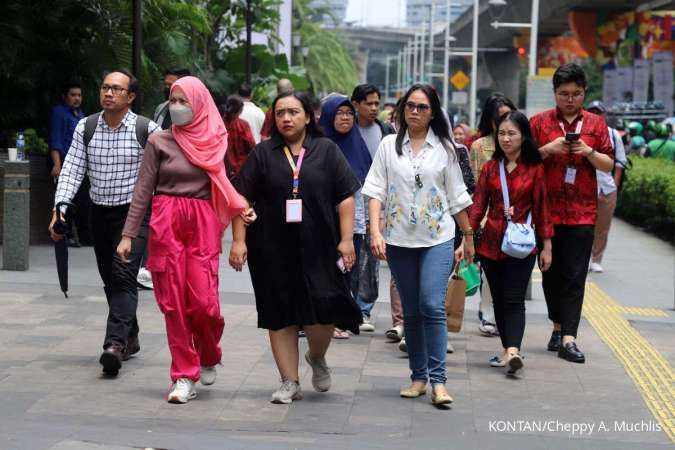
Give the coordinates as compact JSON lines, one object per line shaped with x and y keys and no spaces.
{"x":608,"y":186}
{"x":337,"y":124}
{"x":193,"y":203}
{"x":481,"y":152}
{"x":108,"y":148}
{"x":515,"y":173}
{"x":240,"y":140}
{"x":366,"y":101}
{"x":62,"y":123}
{"x":573,"y":143}
{"x":461,"y":132}
{"x":303,"y":191}
{"x":254,"y":116}
{"x":284,"y":86}
{"x":161,"y":115}
{"x":417,"y":178}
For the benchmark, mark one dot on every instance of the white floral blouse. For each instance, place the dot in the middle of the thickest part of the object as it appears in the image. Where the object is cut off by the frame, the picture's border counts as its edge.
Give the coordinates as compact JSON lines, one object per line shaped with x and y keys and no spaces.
{"x":419,"y":194}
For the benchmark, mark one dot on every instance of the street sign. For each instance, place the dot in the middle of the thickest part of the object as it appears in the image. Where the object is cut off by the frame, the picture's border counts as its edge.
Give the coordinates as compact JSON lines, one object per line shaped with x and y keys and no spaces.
{"x":460,"y":97}
{"x":460,"y":80}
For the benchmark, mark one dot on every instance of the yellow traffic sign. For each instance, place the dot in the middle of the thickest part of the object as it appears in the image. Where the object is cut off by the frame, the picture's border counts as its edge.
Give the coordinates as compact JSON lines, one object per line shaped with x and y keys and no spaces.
{"x":459,"y":80}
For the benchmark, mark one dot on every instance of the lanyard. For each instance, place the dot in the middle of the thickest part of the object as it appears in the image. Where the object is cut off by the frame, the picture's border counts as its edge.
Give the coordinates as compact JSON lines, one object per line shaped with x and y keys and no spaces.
{"x":296,"y":169}
{"x":578,"y":130}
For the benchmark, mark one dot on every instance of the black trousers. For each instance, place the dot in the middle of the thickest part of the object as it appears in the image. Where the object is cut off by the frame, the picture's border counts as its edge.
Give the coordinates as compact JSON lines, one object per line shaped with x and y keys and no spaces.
{"x":508,"y":280}
{"x":119,"y":278}
{"x":564,"y":283}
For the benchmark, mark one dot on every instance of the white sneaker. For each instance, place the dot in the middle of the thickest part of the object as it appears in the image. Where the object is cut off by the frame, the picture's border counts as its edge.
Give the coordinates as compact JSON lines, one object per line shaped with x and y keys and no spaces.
{"x":208,"y":375}
{"x":403,"y":346}
{"x":596,"y":268}
{"x":487,"y":329}
{"x":395,"y":333}
{"x":320,"y":373}
{"x":450,"y":349}
{"x":144,"y":278}
{"x":367,"y":324}
{"x":183,"y":390}
{"x":287,"y":392}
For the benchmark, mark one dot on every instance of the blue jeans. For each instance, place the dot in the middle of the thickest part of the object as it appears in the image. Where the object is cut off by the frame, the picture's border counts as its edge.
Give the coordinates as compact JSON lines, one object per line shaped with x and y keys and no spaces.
{"x":421,"y":276}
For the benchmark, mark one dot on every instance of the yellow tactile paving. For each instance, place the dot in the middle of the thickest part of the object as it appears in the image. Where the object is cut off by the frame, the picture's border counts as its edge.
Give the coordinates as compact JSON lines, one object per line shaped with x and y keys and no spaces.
{"x":648,"y":369}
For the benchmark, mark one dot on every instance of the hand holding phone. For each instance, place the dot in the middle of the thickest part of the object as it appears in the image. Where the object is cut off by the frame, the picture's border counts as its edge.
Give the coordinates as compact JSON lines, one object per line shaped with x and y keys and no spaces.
{"x":571,"y":137}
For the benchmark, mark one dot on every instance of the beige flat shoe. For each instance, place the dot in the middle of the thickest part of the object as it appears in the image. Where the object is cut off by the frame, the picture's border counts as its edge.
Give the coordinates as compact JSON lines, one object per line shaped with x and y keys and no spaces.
{"x":413,"y":391}
{"x":442,"y":398}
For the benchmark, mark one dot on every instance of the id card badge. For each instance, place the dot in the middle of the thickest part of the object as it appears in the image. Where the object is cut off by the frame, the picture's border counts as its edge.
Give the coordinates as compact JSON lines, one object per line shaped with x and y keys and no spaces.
{"x":294,"y":211}
{"x":413,"y":215}
{"x":570,"y":175}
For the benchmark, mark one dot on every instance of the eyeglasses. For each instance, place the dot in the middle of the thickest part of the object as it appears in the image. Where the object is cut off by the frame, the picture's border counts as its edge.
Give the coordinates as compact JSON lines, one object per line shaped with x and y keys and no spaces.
{"x":116,"y":90}
{"x":570,"y":96}
{"x":418,"y":181}
{"x":349,"y":113}
{"x":420,"y":107}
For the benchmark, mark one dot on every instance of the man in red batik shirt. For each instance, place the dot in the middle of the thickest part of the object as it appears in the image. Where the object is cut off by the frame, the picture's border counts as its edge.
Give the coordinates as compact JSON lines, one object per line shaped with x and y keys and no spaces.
{"x":573,"y":144}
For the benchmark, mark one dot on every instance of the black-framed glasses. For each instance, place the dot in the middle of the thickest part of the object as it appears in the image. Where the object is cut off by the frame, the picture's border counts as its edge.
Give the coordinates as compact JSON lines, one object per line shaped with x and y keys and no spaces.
{"x":420,"y":107}
{"x":348,"y":113}
{"x":116,"y":90}
{"x":418,"y":181}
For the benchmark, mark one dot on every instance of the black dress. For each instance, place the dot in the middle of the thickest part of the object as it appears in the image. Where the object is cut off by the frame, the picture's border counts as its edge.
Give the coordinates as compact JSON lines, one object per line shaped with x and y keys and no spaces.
{"x":293,"y":265}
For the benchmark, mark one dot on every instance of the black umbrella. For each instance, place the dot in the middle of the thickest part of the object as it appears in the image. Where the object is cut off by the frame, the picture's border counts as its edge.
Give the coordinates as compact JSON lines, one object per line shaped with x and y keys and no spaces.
{"x":64,"y":226}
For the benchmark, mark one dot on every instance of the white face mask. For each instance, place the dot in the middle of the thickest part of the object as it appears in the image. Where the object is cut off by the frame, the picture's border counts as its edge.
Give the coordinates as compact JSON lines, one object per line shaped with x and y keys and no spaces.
{"x":180,"y":114}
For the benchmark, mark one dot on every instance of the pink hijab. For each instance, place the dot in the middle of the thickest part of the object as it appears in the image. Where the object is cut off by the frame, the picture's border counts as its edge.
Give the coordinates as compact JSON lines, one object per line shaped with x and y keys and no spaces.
{"x":204,"y":142}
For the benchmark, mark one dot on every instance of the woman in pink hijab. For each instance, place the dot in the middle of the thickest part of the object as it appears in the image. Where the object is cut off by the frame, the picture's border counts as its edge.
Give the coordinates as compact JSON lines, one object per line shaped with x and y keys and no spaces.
{"x":193,"y":204}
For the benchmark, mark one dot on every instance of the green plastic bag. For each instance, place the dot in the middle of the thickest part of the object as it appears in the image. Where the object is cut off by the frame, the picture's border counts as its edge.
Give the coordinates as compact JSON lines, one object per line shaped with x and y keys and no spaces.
{"x":471,"y":275}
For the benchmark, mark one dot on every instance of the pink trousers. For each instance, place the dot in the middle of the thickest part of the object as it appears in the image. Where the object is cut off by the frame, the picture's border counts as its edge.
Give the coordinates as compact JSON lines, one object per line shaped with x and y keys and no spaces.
{"x":184,"y":249}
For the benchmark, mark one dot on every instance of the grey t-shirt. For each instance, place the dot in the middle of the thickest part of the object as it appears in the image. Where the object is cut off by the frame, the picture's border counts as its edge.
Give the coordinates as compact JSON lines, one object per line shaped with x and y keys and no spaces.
{"x":372,"y":135}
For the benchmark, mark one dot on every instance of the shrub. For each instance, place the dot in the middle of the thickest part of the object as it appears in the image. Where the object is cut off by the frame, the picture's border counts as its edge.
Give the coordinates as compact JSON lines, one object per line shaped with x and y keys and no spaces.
{"x":648,"y":197}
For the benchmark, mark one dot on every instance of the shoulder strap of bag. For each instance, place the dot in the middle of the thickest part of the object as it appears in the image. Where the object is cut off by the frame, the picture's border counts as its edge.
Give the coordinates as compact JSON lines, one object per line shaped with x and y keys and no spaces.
{"x":142,"y":124}
{"x":90,"y":128}
{"x":505,"y":192}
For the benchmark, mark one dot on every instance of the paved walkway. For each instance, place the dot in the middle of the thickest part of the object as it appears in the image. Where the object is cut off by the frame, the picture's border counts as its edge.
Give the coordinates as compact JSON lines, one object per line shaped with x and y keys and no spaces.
{"x":53,"y":396}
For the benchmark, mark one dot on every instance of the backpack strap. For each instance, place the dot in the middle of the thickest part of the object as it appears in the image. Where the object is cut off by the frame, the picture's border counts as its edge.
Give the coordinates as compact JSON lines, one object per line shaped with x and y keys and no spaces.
{"x":142,"y":124}
{"x":90,"y":128}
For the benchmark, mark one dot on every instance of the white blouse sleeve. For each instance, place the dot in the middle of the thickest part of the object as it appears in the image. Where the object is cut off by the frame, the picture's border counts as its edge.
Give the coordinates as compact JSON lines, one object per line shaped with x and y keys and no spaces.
{"x":455,"y":189}
{"x":376,"y":182}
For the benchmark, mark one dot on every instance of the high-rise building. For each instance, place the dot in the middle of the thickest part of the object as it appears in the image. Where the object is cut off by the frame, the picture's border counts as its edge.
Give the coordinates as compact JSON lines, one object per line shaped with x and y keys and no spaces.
{"x":417,"y":11}
{"x":338,"y":9}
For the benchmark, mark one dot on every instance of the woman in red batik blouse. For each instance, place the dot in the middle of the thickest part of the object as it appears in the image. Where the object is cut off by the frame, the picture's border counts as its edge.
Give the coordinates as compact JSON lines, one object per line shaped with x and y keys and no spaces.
{"x":508,"y":276}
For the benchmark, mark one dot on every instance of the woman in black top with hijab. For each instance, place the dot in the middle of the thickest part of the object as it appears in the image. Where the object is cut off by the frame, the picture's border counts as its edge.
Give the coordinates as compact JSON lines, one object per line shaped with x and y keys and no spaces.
{"x":302,"y":188}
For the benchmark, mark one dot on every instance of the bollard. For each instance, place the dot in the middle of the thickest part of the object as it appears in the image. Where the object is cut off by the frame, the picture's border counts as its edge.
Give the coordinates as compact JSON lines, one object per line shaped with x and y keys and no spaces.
{"x":16,"y":219}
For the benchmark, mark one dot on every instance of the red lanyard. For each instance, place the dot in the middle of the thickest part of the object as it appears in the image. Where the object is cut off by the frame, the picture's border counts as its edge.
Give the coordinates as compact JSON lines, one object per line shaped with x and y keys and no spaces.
{"x":295,"y":168}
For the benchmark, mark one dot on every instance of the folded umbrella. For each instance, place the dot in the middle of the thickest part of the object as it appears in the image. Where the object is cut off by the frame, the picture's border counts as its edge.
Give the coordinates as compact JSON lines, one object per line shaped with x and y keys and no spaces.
{"x":64,"y":225}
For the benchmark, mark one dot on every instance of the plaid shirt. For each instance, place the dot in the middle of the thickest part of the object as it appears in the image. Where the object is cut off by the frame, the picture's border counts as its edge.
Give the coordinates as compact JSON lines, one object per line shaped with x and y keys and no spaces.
{"x":112,"y":162}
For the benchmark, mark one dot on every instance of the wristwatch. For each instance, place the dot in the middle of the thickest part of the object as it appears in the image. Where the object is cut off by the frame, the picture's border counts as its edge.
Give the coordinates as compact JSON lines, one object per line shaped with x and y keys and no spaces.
{"x":588,"y":155}
{"x":468,"y":232}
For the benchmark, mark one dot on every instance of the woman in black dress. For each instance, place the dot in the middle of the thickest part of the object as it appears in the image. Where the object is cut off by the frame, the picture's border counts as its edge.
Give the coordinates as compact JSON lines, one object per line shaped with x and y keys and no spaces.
{"x":302,"y":188}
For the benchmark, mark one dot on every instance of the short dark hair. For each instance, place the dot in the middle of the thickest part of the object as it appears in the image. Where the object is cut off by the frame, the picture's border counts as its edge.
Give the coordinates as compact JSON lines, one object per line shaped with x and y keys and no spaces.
{"x":490,"y":114}
{"x":438,"y":123}
{"x":312,"y":129}
{"x":362,"y":91}
{"x":245,"y":90}
{"x":529,"y":151}
{"x":233,"y":107}
{"x":72,"y":84}
{"x":569,"y":73}
{"x":180,"y":72}
{"x":134,"y":85}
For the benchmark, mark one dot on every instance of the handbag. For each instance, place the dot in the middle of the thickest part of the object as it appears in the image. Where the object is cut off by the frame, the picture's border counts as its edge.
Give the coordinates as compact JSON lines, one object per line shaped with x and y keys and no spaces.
{"x":469,"y":273}
{"x":455,"y":297}
{"x":519,"y":239}
{"x":365,"y":276}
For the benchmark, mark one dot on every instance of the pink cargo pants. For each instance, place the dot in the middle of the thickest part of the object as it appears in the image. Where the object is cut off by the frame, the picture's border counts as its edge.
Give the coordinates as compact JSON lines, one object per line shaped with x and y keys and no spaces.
{"x":184,"y":249}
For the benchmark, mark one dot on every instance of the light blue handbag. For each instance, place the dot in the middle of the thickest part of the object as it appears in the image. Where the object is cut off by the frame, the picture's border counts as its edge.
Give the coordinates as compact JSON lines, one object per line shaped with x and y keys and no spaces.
{"x":519,"y":239}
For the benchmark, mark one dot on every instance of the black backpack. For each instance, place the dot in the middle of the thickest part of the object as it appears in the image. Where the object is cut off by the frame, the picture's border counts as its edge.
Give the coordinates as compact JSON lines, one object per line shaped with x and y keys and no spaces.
{"x":92,"y":121}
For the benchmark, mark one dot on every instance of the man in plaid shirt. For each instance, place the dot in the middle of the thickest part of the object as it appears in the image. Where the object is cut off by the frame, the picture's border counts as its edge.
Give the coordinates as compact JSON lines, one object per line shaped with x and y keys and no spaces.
{"x":111,"y":160}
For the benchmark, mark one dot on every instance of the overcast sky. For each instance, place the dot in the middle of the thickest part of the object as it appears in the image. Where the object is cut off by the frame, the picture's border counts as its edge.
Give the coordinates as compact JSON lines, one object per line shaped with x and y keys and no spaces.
{"x":377,"y":12}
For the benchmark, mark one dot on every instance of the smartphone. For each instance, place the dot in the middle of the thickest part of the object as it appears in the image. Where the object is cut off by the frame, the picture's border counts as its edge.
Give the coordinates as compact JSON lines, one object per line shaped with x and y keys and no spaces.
{"x":341,"y":265}
{"x":571,"y":137}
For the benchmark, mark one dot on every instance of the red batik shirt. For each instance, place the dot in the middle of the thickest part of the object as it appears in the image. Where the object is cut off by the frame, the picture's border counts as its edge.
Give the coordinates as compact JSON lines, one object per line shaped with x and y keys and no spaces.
{"x":527,"y":192}
{"x":571,"y":204}
{"x":240,"y":142}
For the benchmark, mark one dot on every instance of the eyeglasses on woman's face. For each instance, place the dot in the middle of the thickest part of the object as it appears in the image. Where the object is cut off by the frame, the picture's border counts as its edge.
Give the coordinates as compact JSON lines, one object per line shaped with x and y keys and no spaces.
{"x":419,"y":107}
{"x":345,"y":114}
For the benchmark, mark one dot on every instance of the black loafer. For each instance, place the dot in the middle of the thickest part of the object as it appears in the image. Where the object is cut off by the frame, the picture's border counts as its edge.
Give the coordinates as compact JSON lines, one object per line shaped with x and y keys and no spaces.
{"x":111,"y":360}
{"x":571,"y":353}
{"x":132,"y":348}
{"x":555,"y":341}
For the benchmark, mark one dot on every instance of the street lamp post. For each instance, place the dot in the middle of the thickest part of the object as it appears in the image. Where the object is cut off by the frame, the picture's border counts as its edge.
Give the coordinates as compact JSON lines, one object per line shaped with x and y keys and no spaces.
{"x":249,"y":24}
{"x":446,"y":56}
{"x":474,"y":66}
{"x":534,"y":34}
{"x":136,"y":47}
{"x":399,"y":71}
